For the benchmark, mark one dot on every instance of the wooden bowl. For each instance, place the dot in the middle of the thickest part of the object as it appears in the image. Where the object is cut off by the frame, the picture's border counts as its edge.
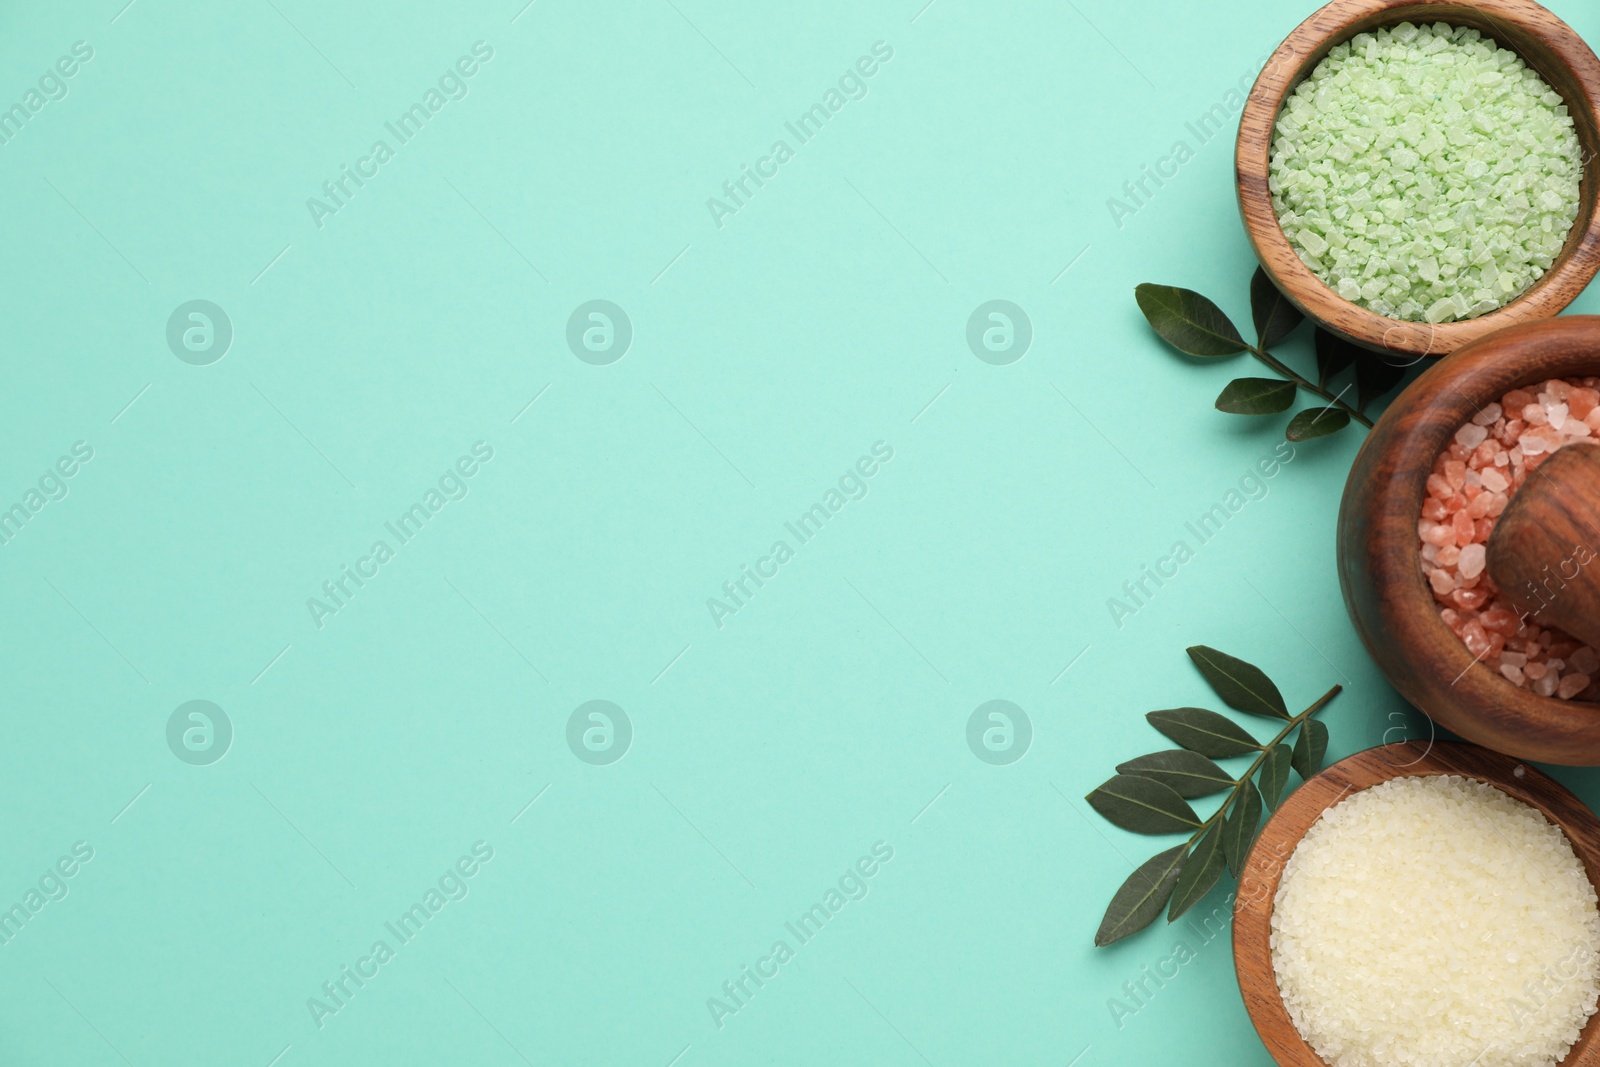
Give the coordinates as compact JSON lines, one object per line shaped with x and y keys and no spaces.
{"x":1380,"y":566}
{"x":1545,"y":43}
{"x":1258,"y":882}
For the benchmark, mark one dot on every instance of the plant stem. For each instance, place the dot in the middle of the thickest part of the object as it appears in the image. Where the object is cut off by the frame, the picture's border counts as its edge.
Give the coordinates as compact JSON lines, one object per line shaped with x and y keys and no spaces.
{"x":1320,"y":703}
{"x":1307,"y":384}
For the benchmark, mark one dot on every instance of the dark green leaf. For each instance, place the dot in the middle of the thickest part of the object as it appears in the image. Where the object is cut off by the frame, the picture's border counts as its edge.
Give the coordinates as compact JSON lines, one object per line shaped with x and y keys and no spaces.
{"x":1143,"y":805}
{"x":1274,"y":316}
{"x":1205,"y":732}
{"x":1375,"y":376}
{"x":1309,"y":748}
{"x":1141,"y":897}
{"x":1275,"y":775}
{"x":1189,"y":774}
{"x":1200,"y":872}
{"x":1256,"y":396}
{"x":1239,"y":827}
{"x":1242,"y":686}
{"x":1334,"y":354}
{"x":1312,"y":423}
{"x":1188,"y":321}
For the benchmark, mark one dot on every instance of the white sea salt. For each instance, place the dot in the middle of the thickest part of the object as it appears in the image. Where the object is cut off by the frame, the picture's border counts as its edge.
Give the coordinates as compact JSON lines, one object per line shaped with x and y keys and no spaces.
{"x":1425,"y":173}
{"x":1435,"y":921}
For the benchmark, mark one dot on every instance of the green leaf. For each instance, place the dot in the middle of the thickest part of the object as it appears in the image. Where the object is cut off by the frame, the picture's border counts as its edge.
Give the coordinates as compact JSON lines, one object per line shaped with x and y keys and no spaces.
{"x":1240,"y":825}
{"x":1312,"y":423}
{"x":1275,"y":775}
{"x":1274,"y":316}
{"x":1375,"y":376}
{"x":1256,"y":396}
{"x":1200,"y":872}
{"x":1143,"y":805}
{"x":1242,"y":686}
{"x":1189,"y":774}
{"x":1309,"y":748}
{"x":1334,"y":354}
{"x":1188,"y":321}
{"x":1141,"y":898}
{"x":1205,"y":732}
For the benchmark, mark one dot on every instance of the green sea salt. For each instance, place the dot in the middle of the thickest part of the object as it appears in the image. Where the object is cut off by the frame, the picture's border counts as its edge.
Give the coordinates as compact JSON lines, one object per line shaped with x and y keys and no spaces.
{"x":1425,"y":173}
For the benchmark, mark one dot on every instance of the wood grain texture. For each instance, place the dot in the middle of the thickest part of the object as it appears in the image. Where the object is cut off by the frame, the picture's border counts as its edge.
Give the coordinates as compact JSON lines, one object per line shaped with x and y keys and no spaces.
{"x":1258,"y":883}
{"x":1541,"y":551}
{"x":1544,"y":42}
{"x":1379,"y":553}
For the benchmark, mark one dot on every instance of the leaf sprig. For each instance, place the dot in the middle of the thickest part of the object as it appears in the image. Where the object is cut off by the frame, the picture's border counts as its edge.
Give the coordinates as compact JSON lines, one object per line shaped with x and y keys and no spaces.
{"x":1150,"y":794}
{"x":1197,"y":327}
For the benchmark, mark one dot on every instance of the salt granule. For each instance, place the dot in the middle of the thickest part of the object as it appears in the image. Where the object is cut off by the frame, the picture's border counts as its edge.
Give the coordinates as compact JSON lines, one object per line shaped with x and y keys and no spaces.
{"x":1435,"y":921}
{"x":1472,"y":483}
{"x":1425,"y":173}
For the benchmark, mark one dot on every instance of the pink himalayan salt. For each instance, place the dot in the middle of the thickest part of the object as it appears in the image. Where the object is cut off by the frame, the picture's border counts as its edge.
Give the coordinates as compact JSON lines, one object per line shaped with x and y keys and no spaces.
{"x":1472,"y":482}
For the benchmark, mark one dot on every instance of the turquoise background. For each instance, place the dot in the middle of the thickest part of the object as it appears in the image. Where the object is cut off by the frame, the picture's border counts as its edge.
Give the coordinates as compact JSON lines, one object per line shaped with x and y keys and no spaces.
{"x":768,"y":354}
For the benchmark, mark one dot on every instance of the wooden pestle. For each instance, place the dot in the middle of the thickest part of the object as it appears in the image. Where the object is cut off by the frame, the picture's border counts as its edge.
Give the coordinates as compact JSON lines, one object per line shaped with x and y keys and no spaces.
{"x":1544,"y":553}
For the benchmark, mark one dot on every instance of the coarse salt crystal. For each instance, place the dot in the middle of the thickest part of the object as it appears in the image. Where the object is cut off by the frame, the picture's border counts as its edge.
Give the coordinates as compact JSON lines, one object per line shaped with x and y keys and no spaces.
{"x":1379,"y":151}
{"x":1419,"y":922}
{"x":1471,"y":484}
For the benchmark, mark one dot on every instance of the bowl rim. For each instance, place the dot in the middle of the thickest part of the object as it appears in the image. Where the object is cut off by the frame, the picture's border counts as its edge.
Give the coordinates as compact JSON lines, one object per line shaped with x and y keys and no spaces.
{"x":1263,"y":868}
{"x":1420,"y":423}
{"x":1306,"y":45}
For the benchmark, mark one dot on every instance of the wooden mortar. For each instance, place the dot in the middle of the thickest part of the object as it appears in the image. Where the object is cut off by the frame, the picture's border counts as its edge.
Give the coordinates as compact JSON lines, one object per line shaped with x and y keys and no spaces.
{"x":1379,"y":553}
{"x":1545,"y":43}
{"x":1258,"y":882}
